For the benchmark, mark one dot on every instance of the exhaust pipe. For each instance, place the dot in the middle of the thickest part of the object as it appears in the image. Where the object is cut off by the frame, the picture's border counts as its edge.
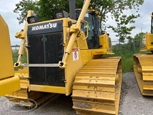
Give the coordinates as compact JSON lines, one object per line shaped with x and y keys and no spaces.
{"x":72,"y":9}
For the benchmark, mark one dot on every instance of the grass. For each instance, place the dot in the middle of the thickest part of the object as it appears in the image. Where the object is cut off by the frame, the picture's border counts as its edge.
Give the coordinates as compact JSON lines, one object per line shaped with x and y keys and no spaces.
{"x":15,"y":57}
{"x":127,"y":62}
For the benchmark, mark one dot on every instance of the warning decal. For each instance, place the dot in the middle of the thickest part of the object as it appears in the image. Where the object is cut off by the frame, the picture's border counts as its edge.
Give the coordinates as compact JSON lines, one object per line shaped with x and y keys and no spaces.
{"x":75,"y":54}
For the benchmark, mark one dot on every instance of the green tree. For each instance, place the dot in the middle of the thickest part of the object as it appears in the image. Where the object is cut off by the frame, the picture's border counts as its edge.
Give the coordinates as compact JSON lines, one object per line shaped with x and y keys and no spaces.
{"x":49,"y":7}
{"x":123,"y":30}
{"x":23,"y":6}
{"x":114,"y":9}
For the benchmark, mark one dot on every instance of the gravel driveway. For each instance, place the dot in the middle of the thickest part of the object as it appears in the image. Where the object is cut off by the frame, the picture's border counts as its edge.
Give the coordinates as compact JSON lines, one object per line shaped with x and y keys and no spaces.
{"x":132,"y":103}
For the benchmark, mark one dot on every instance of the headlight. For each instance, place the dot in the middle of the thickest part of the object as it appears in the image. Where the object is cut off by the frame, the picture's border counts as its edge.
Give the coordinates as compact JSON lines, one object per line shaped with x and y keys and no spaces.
{"x":62,"y":14}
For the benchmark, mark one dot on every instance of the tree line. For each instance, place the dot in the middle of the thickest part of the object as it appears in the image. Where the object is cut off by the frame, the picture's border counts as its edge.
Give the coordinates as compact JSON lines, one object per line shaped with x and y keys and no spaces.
{"x":132,"y":46}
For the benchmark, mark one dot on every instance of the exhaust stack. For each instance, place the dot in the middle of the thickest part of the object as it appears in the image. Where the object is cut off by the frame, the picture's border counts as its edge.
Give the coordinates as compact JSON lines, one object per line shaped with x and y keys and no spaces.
{"x":72,"y":9}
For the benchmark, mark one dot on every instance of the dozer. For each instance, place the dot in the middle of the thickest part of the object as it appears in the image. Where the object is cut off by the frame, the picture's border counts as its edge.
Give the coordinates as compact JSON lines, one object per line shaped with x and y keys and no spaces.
{"x":143,"y":64}
{"x":64,"y":56}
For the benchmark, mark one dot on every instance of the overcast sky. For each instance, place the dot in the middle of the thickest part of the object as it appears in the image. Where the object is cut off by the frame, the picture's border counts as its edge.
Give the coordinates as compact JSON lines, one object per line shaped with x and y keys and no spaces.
{"x":7,"y":6}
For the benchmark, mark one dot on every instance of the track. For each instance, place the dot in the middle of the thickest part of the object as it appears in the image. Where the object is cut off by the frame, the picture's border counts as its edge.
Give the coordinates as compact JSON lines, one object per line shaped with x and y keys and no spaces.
{"x":96,"y":89}
{"x":143,"y":69}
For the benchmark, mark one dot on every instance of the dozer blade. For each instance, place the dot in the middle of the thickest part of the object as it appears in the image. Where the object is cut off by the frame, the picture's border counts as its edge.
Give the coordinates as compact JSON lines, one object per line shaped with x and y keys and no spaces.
{"x":143,"y":69}
{"x":8,"y":83}
{"x":96,"y":89}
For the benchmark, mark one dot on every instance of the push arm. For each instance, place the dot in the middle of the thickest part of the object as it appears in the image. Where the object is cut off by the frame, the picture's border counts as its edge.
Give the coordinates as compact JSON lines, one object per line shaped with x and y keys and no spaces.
{"x":75,"y":29}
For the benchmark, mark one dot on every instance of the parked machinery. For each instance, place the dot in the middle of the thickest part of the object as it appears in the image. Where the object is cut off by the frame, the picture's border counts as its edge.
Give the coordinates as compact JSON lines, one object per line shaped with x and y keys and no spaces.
{"x":143,"y":64}
{"x":65,"y":56}
{"x":7,"y":78}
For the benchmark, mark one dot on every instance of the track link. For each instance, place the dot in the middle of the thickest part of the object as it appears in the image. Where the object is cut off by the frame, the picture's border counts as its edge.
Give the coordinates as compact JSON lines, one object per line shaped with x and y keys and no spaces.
{"x":143,"y":69}
{"x":96,"y":89}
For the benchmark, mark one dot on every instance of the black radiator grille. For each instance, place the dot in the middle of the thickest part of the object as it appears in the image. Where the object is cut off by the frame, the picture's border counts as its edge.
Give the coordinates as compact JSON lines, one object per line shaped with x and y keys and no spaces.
{"x":46,"y":48}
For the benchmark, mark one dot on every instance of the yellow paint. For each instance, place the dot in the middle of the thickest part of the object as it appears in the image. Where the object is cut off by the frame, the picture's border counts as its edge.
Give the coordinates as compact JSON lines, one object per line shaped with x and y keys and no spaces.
{"x":6,"y":62}
{"x":149,"y":42}
{"x":74,"y":29}
{"x":49,"y":89}
{"x":95,"y":87}
{"x":20,"y":94}
{"x":105,"y":42}
{"x":23,"y":36}
{"x":24,"y":84}
{"x":143,"y":68}
{"x":8,"y":83}
{"x":85,"y":56}
{"x":71,"y":69}
{"x":73,"y":37}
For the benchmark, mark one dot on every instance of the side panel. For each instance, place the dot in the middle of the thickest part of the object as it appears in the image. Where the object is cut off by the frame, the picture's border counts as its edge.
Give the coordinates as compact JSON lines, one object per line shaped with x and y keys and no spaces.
{"x":6,"y":62}
{"x":149,"y":42}
{"x":9,"y":85}
{"x":72,"y":67}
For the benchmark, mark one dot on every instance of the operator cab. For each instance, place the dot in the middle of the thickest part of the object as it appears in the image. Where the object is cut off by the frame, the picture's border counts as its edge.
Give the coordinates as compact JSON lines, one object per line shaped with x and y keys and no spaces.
{"x":94,"y":28}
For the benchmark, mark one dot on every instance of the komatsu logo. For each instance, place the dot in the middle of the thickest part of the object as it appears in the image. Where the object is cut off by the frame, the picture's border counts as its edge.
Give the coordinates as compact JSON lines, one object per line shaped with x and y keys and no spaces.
{"x":44,"y":26}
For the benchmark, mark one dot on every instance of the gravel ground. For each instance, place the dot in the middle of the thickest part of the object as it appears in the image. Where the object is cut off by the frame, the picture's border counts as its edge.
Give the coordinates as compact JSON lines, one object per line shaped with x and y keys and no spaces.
{"x":132,"y":103}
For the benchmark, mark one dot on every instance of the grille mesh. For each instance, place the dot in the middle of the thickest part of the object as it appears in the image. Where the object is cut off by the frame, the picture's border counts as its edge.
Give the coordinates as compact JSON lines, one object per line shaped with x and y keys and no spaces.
{"x":44,"y":49}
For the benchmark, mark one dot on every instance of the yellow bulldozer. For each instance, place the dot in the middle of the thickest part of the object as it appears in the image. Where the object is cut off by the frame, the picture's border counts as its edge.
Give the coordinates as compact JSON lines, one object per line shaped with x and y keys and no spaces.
{"x":64,"y":56}
{"x":143,"y":64}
